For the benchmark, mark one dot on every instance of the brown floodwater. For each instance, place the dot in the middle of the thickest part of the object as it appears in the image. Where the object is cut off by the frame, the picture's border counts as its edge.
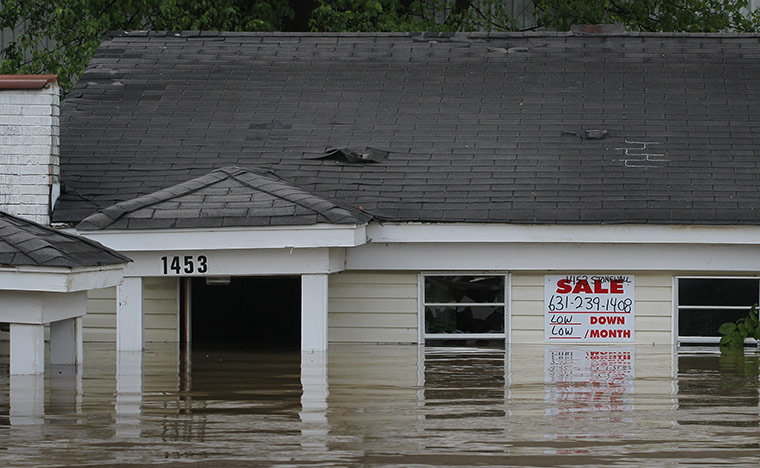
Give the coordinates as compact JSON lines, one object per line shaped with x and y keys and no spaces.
{"x":384,"y":406}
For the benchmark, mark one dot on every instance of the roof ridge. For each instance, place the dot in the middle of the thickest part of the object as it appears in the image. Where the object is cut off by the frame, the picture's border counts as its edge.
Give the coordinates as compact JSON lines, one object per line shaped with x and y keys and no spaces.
{"x":282,"y":181}
{"x":431,"y":35}
{"x":118,"y":210}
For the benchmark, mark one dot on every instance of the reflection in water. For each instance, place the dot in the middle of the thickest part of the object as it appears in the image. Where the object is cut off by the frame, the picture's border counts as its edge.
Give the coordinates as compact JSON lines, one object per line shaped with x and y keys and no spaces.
{"x":388,"y":406}
{"x":591,"y":380}
{"x":719,"y":389}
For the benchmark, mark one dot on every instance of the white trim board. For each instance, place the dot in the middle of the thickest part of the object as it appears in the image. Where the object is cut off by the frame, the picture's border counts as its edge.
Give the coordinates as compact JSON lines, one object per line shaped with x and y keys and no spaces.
{"x":51,"y":279}
{"x":318,"y":235}
{"x":557,"y":256}
{"x":562,"y":233}
{"x":250,"y":262}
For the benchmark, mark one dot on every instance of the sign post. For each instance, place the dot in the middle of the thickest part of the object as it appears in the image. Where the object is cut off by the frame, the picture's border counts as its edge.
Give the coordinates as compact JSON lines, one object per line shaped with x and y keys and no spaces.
{"x":583,"y":308}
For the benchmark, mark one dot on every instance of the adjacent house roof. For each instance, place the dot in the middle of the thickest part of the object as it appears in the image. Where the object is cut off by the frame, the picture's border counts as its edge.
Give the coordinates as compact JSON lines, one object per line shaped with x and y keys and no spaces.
{"x":230,"y":196}
{"x":25,"y":243}
{"x":503,"y":128}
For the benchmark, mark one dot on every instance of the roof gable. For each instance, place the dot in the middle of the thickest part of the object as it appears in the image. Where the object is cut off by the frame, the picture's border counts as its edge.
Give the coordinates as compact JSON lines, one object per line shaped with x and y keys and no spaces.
{"x":25,"y":243}
{"x":226,"y":197}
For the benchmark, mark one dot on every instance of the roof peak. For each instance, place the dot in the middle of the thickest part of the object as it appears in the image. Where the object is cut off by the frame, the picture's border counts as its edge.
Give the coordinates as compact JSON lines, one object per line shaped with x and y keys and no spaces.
{"x":264,"y":199}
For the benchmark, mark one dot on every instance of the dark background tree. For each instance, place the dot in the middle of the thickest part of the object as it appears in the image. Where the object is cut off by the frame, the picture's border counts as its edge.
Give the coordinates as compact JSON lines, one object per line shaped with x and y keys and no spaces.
{"x":60,"y":36}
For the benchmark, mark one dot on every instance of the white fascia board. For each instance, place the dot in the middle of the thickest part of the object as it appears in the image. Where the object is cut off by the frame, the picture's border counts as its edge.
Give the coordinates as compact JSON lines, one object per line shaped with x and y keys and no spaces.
{"x":249,"y":262}
{"x":543,"y":233}
{"x":51,"y":279}
{"x":271,"y":237}
{"x":555,"y":257}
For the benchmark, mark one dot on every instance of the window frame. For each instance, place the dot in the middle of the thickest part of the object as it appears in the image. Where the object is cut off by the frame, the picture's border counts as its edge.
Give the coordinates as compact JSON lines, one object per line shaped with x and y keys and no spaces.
{"x":677,"y":307}
{"x":424,"y":336}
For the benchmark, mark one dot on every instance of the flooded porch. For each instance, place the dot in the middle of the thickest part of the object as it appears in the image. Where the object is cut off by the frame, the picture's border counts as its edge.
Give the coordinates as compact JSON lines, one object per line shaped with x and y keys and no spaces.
{"x":383,"y":405}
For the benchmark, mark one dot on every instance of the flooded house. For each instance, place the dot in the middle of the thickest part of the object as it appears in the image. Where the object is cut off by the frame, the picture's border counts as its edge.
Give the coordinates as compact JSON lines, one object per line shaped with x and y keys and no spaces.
{"x":283,"y":189}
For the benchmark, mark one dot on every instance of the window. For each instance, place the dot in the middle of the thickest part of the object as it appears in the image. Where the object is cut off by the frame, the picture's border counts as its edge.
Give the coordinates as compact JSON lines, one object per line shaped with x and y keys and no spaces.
{"x":464,"y":306}
{"x":706,"y":303}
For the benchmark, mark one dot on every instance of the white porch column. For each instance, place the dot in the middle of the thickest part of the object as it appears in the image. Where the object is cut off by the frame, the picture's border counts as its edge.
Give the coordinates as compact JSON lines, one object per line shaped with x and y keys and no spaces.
{"x":129,"y":387}
{"x":27,"y":399}
{"x":314,"y":424}
{"x":66,"y":342}
{"x":129,"y":315}
{"x":27,"y":349}
{"x":313,"y":313}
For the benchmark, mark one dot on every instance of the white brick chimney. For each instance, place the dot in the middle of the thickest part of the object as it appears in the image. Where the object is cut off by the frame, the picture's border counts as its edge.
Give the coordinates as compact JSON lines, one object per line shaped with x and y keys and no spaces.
{"x":29,"y":167}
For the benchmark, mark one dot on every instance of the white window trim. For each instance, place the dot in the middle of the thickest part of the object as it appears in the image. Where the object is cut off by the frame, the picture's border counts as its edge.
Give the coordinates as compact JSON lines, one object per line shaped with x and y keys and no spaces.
{"x":677,"y":307}
{"x":422,"y":336}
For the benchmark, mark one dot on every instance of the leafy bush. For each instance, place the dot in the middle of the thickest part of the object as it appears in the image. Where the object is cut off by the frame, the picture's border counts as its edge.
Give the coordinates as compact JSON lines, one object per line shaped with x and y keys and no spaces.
{"x":735,"y":333}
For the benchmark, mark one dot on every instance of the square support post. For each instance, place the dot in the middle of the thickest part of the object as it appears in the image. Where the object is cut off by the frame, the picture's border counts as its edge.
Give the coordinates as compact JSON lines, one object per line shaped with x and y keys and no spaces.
{"x":130,"y":333}
{"x":27,"y":349}
{"x":66,"y":342}
{"x":314,"y":313}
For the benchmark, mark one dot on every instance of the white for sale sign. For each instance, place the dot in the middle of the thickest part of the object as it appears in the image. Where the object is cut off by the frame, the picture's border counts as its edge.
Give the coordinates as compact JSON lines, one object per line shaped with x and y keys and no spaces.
{"x":587,"y":308}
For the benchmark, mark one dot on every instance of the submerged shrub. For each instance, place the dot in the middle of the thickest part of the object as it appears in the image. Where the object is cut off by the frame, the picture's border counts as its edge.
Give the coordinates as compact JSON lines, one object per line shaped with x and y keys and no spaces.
{"x":734,"y":333}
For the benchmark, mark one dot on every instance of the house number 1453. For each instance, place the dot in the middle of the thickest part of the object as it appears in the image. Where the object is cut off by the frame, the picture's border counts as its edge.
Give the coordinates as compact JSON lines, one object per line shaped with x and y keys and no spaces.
{"x":187,"y":264}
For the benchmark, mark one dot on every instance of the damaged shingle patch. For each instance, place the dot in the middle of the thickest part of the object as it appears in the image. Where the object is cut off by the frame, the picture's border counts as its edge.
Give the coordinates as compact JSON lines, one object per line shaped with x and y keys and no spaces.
{"x":346,"y":155}
{"x":591,"y":134}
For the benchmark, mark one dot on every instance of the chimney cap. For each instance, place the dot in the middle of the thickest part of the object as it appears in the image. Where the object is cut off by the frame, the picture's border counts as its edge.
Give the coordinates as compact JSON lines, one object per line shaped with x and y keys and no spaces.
{"x":26,"y":81}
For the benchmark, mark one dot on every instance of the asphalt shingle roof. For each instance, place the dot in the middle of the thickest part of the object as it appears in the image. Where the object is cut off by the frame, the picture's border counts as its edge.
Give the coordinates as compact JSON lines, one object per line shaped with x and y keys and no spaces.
{"x":229,"y":196}
{"x":25,"y":243}
{"x":478,"y":127}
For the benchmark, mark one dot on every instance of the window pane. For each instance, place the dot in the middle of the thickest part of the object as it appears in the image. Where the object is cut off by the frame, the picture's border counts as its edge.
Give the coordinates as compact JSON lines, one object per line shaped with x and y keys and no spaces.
{"x":470,"y":319}
{"x":464,"y":289}
{"x":724,"y":292}
{"x":705,"y":322}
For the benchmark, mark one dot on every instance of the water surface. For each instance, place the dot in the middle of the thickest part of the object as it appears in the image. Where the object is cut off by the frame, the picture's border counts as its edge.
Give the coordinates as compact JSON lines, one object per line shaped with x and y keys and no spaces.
{"x":369,"y":405}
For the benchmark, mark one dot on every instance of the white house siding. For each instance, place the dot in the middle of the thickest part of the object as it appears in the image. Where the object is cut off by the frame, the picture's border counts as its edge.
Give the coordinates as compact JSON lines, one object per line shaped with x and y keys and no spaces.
{"x":653,"y":295}
{"x":160,"y":307}
{"x":377,"y":307}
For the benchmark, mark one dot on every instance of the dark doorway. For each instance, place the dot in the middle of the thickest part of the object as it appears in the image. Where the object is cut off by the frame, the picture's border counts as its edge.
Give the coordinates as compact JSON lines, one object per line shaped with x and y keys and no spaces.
{"x":245,"y":313}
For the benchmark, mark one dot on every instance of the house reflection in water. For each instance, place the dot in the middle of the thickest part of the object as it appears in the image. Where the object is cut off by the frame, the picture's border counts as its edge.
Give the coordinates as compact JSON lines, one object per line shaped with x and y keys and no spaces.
{"x":389,"y":405}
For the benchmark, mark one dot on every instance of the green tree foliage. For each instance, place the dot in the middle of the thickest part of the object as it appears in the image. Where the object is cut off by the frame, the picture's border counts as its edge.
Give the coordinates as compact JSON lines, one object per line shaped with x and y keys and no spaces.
{"x":411,"y":15}
{"x":72,"y":28}
{"x":60,"y":36}
{"x":650,"y":15}
{"x":734,"y":333}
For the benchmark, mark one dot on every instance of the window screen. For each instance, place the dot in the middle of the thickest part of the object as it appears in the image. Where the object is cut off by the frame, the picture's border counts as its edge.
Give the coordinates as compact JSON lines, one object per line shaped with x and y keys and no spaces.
{"x":464,"y":305}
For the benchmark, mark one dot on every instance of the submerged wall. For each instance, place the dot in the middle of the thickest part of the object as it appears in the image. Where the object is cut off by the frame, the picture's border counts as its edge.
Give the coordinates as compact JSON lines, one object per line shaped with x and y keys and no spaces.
{"x":378,"y":307}
{"x":161,"y":312}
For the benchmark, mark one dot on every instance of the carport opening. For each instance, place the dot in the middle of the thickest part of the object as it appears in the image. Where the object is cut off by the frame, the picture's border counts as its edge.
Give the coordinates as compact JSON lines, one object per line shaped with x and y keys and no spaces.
{"x":243,"y":312}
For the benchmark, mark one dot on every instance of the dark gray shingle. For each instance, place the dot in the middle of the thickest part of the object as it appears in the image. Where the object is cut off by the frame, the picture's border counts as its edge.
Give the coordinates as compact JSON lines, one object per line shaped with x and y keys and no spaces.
{"x":474,"y":123}
{"x":25,"y":243}
{"x":226,"y":197}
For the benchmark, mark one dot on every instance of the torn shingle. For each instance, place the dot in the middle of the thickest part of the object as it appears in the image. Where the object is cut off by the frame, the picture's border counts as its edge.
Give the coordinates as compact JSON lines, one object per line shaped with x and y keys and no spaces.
{"x":346,"y":155}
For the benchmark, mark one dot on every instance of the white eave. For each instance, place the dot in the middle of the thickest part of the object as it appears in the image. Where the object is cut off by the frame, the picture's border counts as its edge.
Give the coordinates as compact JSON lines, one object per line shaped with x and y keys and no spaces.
{"x":59,"y":279}
{"x":270,"y":237}
{"x":558,"y":234}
